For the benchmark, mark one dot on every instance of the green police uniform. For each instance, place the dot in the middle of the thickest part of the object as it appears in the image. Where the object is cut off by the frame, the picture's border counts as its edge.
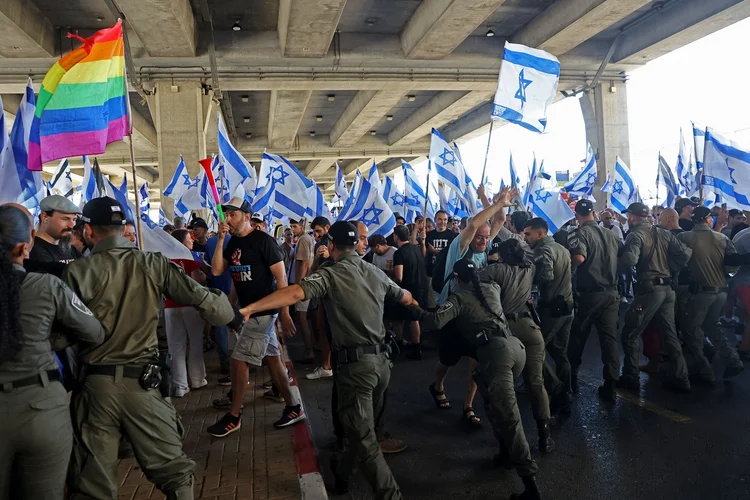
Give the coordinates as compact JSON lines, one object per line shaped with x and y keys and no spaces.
{"x":353,"y":293}
{"x":553,"y":277}
{"x":34,"y":414}
{"x":707,"y":299}
{"x":515,"y":288}
{"x":598,"y":303}
{"x":652,"y":250}
{"x":501,"y":359}
{"x":124,"y":287}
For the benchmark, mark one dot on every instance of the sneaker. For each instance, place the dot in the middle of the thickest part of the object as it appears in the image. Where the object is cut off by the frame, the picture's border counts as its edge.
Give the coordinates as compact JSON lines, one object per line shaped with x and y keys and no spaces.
{"x":203,"y":383}
{"x":319,"y":372}
{"x":180,"y":393}
{"x":389,"y":445}
{"x":268,"y":384}
{"x":225,"y":381}
{"x":291,"y":415}
{"x":274,"y":395}
{"x":227,"y":425}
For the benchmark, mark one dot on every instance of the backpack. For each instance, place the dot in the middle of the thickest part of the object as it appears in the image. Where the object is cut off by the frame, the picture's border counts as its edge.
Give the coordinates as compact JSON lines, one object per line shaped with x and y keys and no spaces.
{"x":438,"y":270}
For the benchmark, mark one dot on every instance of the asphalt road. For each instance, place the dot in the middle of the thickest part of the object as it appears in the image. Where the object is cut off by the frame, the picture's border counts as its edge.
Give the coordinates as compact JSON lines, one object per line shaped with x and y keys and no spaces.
{"x":658,"y":446}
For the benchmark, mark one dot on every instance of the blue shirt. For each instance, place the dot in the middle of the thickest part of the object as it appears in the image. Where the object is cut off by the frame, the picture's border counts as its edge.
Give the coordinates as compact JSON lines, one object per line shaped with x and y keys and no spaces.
{"x":454,"y":255}
{"x":224,"y":281}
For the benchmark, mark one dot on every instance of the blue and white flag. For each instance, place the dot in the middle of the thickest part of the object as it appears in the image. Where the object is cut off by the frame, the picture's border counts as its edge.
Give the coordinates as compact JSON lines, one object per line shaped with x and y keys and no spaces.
{"x":532,"y":181}
{"x":623,"y":187}
{"x":550,"y":206}
{"x":163,"y":221}
{"x":515,"y":181}
{"x":316,"y":205}
{"x":10,"y":184}
{"x":447,"y":164}
{"x":144,"y":199}
{"x":281,"y":186}
{"x":665,"y":177}
{"x":239,"y":176}
{"x":62,"y":182}
{"x":413,"y":191}
{"x":370,"y":208}
{"x":352,"y":195}
{"x":374,"y":178}
{"x":340,"y":188}
{"x":607,"y":186}
{"x":526,"y":86}
{"x":90,"y":186}
{"x":726,"y":170}
{"x":121,"y":194}
{"x":194,"y":197}
{"x":180,"y":182}
{"x":583,"y":183}
{"x":685,"y":173}
{"x":699,"y":140}
{"x":393,"y":197}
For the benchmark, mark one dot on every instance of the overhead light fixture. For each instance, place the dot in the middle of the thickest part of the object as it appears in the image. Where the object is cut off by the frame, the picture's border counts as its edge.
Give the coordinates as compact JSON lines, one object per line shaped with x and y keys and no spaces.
{"x":490,"y":32}
{"x":612,"y":87}
{"x":371,"y":21}
{"x":312,"y":133}
{"x":411,"y":98}
{"x":245,"y":98}
{"x":236,"y":26}
{"x":99,"y":18}
{"x":372,"y":132}
{"x":319,"y":118}
{"x":389,"y":117}
{"x":249,"y":135}
{"x":331,"y":97}
{"x":246,"y":119}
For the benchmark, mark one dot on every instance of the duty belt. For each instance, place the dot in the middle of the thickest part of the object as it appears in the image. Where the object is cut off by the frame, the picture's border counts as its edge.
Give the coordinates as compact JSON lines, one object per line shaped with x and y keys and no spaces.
{"x":658,"y":282}
{"x":38,"y":379}
{"x":517,"y":316}
{"x":595,"y":289}
{"x":128,"y":371}
{"x":352,"y":354}
{"x":704,"y":289}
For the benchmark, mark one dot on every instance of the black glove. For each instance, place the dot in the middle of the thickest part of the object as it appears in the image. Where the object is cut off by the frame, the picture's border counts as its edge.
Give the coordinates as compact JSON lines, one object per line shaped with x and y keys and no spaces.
{"x":237,"y":321}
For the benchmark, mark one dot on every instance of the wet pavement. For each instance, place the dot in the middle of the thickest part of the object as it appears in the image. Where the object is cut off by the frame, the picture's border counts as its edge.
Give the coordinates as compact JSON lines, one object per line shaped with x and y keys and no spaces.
{"x":657,"y":446}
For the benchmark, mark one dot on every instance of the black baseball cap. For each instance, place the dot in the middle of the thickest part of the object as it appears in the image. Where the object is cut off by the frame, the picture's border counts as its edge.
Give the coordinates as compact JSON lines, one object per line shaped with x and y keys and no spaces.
{"x":682,"y":203}
{"x":343,"y":233}
{"x":700,"y":214}
{"x":237,"y":203}
{"x":638,"y":209}
{"x":199,"y":223}
{"x":104,"y":211}
{"x":735,"y":212}
{"x":584,"y":207}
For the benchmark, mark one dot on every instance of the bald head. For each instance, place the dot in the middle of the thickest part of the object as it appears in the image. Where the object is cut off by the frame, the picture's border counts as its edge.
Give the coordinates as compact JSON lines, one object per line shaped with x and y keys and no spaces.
{"x":669,"y":219}
{"x":20,"y":207}
{"x":362,"y":242}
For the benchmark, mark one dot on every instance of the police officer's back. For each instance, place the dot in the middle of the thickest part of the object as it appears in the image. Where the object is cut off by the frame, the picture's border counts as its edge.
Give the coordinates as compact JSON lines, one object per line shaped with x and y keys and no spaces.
{"x":35,"y":423}
{"x":712,"y":254}
{"x":123,"y":287}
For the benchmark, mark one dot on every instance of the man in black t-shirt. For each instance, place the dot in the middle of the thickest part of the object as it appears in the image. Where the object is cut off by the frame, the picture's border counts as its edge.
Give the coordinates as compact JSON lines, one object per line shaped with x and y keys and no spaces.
{"x":256,"y":264}
{"x":200,"y":234}
{"x":56,"y":222}
{"x":409,"y":273}
{"x":435,"y":241}
{"x":684,"y":208}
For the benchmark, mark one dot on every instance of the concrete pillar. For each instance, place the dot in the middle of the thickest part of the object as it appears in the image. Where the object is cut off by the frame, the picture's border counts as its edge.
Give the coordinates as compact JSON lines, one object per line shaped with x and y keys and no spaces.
{"x":179,"y":109}
{"x":605,"y":114}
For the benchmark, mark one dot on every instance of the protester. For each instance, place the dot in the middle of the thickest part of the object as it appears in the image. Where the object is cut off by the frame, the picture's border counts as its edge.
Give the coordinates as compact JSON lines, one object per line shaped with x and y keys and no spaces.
{"x":222,"y":282}
{"x":304,"y":254}
{"x":409,"y":273}
{"x":179,"y":223}
{"x":56,"y":222}
{"x":436,"y":240}
{"x":129,"y":233}
{"x":684,"y":207}
{"x":382,"y":253}
{"x":288,"y":248}
{"x":200,"y":237}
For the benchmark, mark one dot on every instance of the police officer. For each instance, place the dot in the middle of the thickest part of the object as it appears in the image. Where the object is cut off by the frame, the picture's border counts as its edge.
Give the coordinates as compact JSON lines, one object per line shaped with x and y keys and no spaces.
{"x":124,"y":287}
{"x":357,"y":335}
{"x":501,"y":357}
{"x":652,"y":250}
{"x":712,"y":251}
{"x":35,"y":425}
{"x":593,"y":253}
{"x":515,"y":275}
{"x":553,"y":277}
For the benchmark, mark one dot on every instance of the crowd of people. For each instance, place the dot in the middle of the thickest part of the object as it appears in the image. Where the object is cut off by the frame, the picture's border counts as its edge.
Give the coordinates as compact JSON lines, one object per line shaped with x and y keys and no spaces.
{"x":80,"y":305}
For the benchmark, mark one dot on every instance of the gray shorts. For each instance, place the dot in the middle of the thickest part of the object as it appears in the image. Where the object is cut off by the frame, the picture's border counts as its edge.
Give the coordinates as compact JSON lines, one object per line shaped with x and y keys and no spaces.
{"x":257,"y":340}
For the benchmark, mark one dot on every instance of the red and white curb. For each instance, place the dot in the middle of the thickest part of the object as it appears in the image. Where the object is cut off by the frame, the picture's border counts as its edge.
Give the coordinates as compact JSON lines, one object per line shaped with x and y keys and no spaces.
{"x":310,"y":480}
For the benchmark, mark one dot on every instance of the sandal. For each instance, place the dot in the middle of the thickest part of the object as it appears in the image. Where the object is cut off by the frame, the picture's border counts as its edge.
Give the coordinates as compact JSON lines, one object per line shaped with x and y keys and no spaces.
{"x":442,"y":404}
{"x":472,"y":420}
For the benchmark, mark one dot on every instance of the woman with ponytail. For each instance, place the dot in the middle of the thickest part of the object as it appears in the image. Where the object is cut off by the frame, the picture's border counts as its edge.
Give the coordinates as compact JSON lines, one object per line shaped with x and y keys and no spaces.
{"x":514,"y":272}
{"x":35,"y":420}
{"x":501,"y":357}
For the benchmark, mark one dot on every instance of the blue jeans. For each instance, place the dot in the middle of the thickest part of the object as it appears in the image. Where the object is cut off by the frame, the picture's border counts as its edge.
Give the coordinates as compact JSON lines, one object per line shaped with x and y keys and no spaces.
{"x":222,"y":345}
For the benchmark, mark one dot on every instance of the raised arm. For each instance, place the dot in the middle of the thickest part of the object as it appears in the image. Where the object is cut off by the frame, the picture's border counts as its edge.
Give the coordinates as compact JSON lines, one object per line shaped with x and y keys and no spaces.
{"x":218,"y":263}
{"x":481,"y":218}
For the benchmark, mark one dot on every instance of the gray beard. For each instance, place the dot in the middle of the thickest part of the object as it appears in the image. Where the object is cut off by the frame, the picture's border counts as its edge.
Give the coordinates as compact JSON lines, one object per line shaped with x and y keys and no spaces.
{"x":65,"y":242}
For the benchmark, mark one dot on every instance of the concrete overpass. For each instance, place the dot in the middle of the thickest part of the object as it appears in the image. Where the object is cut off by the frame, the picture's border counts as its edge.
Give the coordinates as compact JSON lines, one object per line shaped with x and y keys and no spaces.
{"x":321,"y":81}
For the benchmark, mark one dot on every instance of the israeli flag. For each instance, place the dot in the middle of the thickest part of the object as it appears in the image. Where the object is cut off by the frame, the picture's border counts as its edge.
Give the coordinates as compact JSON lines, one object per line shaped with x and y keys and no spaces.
{"x":284,"y":187}
{"x":374,"y":178}
{"x":61,"y":182}
{"x":316,"y":205}
{"x":340,"y":187}
{"x":90,"y":185}
{"x":443,"y":196}
{"x":726,"y":169}
{"x":699,"y":140}
{"x":414,"y":192}
{"x":10,"y":184}
{"x":121,"y":194}
{"x":393,"y":197}
{"x":370,"y":208}
{"x":194,"y":197}
{"x":530,"y":185}
{"x":685,"y":173}
{"x":664,"y":177}
{"x":144,"y":196}
{"x":447,"y":163}
{"x":238,"y":173}
{"x":180,"y":182}
{"x":163,"y":221}
{"x":473,"y":203}
{"x":623,"y":187}
{"x":526,"y":86}
{"x":637,"y":196}
{"x":515,"y":181}
{"x":583,"y":183}
{"x":607,"y":186}
{"x":550,"y":206}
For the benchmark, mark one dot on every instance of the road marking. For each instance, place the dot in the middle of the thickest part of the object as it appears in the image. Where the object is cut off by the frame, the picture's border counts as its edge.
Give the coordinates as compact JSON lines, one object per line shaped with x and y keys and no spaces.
{"x":646,"y":405}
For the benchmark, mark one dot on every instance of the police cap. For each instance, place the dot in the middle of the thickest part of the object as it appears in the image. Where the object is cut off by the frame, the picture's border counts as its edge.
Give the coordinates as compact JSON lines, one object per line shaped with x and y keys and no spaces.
{"x":699,"y":214}
{"x":58,"y":203}
{"x":638,"y":209}
{"x":104,"y":211}
{"x":343,"y":234}
{"x":584,"y":207}
{"x":464,"y":269}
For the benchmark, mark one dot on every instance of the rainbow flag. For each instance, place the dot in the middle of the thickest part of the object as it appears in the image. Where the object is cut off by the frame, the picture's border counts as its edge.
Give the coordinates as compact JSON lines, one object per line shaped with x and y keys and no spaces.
{"x":83,"y":103}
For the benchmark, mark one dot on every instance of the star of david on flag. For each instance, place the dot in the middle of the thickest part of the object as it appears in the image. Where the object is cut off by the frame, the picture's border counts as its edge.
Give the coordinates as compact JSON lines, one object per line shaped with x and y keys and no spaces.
{"x":180,"y":182}
{"x":623,"y":187}
{"x":664,"y":177}
{"x":550,"y":206}
{"x":284,"y":187}
{"x":414,"y":192}
{"x":447,"y":164}
{"x":369,"y":207}
{"x":583,"y":183}
{"x":526,"y":86}
{"x":726,"y":169}
{"x":340,"y":188}
{"x":238,"y":175}
{"x":393,"y":197}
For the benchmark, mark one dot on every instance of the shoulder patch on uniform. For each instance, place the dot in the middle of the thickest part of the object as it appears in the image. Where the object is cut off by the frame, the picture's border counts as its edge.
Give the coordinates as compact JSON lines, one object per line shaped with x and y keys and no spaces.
{"x":445,"y":307}
{"x":313,"y":277}
{"x":78,"y":304}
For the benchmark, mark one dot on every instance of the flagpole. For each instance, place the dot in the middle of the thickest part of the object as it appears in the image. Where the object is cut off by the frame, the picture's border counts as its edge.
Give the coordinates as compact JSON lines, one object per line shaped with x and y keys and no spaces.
{"x":427,"y":189}
{"x":137,"y":216}
{"x":487,"y":152}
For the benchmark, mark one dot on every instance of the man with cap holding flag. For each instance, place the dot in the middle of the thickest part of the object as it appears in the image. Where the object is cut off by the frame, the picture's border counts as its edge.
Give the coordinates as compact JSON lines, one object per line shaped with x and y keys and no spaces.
{"x":655,"y":253}
{"x":593,"y":252}
{"x":362,"y":358}
{"x":123,"y":288}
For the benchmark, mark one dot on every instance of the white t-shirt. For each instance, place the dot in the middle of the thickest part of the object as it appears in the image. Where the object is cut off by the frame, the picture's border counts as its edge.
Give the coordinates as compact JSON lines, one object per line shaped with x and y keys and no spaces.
{"x":385,"y":261}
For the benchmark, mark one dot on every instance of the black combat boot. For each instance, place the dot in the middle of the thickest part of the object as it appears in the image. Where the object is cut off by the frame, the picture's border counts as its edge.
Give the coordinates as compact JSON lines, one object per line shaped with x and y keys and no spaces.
{"x":560,"y":404}
{"x":531,"y":492}
{"x":574,"y":381}
{"x":546,"y":444}
{"x":607,"y":391}
{"x":341,"y":484}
